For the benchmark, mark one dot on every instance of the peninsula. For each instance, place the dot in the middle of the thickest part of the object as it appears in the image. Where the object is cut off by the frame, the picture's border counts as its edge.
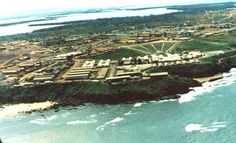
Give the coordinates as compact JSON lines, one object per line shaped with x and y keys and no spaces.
{"x":119,"y":60}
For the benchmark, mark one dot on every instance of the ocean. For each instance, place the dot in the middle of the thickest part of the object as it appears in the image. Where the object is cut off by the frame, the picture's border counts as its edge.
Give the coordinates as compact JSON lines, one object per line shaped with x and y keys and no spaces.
{"x":205,"y":115}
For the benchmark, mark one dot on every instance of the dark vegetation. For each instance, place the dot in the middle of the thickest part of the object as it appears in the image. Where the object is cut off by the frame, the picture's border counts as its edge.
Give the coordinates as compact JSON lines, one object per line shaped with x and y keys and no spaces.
{"x":204,"y":7}
{"x":84,"y":92}
{"x":198,"y":70}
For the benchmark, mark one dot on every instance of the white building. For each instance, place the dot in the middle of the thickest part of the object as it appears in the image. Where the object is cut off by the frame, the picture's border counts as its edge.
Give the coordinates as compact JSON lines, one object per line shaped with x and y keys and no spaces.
{"x":104,"y":63}
{"x":89,"y":64}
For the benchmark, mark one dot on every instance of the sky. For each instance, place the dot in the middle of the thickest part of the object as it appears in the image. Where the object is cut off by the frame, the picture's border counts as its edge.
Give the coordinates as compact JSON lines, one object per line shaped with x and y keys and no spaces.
{"x":10,"y":8}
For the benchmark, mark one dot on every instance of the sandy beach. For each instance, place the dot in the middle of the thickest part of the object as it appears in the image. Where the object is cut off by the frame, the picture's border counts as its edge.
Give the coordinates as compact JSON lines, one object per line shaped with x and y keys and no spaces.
{"x":210,"y":78}
{"x":11,"y":110}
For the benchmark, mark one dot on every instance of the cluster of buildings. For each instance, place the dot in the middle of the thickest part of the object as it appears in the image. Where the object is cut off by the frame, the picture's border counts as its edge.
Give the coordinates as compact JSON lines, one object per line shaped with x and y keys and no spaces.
{"x":89,"y":70}
{"x":123,"y":75}
{"x":14,"y":72}
{"x":48,"y":74}
{"x":167,"y":58}
{"x":78,"y":73}
{"x":66,"y":68}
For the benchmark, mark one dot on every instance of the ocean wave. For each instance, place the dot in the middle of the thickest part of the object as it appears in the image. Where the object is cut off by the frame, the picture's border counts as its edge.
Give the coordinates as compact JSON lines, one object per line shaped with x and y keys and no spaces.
{"x":42,"y":121}
{"x":138,"y":104}
{"x":65,"y":114}
{"x":218,"y":123}
{"x":112,"y":122}
{"x":228,"y":79}
{"x":116,"y":120}
{"x":81,"y":122}
{"x":164,"y":101}
{"x":92,"y":116}
{"x":129,"y":113}
{"x":201,"y":128}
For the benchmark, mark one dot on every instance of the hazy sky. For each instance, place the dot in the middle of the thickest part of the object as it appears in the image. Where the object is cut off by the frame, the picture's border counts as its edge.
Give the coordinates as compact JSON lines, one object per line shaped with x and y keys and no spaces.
{"x":19,"y":7}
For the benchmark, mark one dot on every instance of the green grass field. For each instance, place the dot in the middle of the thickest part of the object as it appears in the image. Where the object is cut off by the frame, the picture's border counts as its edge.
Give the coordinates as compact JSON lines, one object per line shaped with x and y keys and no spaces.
{"x":117,"y":54}
{"x":213,"y":43}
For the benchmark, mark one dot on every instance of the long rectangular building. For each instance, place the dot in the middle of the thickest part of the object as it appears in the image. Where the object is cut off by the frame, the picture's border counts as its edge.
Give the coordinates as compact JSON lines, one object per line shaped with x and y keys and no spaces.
{"x":11,"y":71}
{"x":84,"y":72}
{"x":102,"y":73}
{"x":136,"y":73}
{"x":43,"y":78}
{"x":77,"y":77}
{"x":118,"y":78}
{"x":159,"y":74}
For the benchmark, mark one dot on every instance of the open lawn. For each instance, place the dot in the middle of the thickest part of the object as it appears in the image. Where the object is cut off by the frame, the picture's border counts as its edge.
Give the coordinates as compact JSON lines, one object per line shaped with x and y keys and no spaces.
{"x":118,"y":54}
{"x":213,"y":43}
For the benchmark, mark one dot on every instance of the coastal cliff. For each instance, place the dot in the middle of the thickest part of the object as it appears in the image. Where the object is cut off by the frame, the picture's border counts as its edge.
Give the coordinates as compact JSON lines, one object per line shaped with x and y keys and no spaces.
{"x":77,"y":93}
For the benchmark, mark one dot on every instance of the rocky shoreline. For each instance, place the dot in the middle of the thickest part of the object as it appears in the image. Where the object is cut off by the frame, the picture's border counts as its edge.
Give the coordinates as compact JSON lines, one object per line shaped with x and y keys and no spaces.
{"x":78,"y":93}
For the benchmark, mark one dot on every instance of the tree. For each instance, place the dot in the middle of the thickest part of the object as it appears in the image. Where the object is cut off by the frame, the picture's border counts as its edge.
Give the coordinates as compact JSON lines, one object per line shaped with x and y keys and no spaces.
{"x":0,"y":141}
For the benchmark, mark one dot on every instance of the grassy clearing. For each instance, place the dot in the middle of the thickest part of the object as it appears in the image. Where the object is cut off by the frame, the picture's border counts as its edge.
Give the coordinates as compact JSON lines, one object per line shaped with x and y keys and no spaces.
{"x":117,"y":54}
{"x":201,"y":45}
{"x":213,"y":43}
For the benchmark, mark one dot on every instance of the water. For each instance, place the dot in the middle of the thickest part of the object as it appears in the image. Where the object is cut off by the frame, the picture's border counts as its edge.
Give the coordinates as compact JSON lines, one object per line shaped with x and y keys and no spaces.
{"x":205,"y":115}
{"x":25,"y":27}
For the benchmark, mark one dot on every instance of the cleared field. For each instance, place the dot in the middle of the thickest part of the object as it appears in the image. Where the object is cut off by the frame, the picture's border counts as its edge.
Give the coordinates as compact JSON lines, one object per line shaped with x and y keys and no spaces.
{"x":118,"y":54}
{"x":213,"y":43}
{"x":134,"y":51}
{"x":152,"y":48}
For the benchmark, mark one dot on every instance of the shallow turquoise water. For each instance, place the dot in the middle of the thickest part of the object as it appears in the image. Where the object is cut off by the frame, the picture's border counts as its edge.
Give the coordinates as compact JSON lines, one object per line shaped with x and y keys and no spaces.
{"x":205,"y":115}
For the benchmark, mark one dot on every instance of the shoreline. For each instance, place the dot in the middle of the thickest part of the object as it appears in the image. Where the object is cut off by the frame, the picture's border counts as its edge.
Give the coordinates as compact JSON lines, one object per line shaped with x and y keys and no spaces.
{"x":21,"y":108}
{"x":16,"y":109}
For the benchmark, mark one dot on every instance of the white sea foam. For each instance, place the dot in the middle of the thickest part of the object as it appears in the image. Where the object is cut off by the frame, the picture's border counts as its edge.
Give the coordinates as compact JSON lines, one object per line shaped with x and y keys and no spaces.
{"x":81,"y":122}
{"x":92,"y":116}
{"x":209,"y":130}
{"x":218,"y":123}
{"x":194,"y":127}
{"x":112,"y":122}
{"x":201,"y":128}
{"x":138,"y":104}
{"x":116,"y":120}
{"x":218,"y":126}
{"x":42,"y":121}
{"x":128,"y":113}
{"x":228,"y":79}
{"x":65,"y":114}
